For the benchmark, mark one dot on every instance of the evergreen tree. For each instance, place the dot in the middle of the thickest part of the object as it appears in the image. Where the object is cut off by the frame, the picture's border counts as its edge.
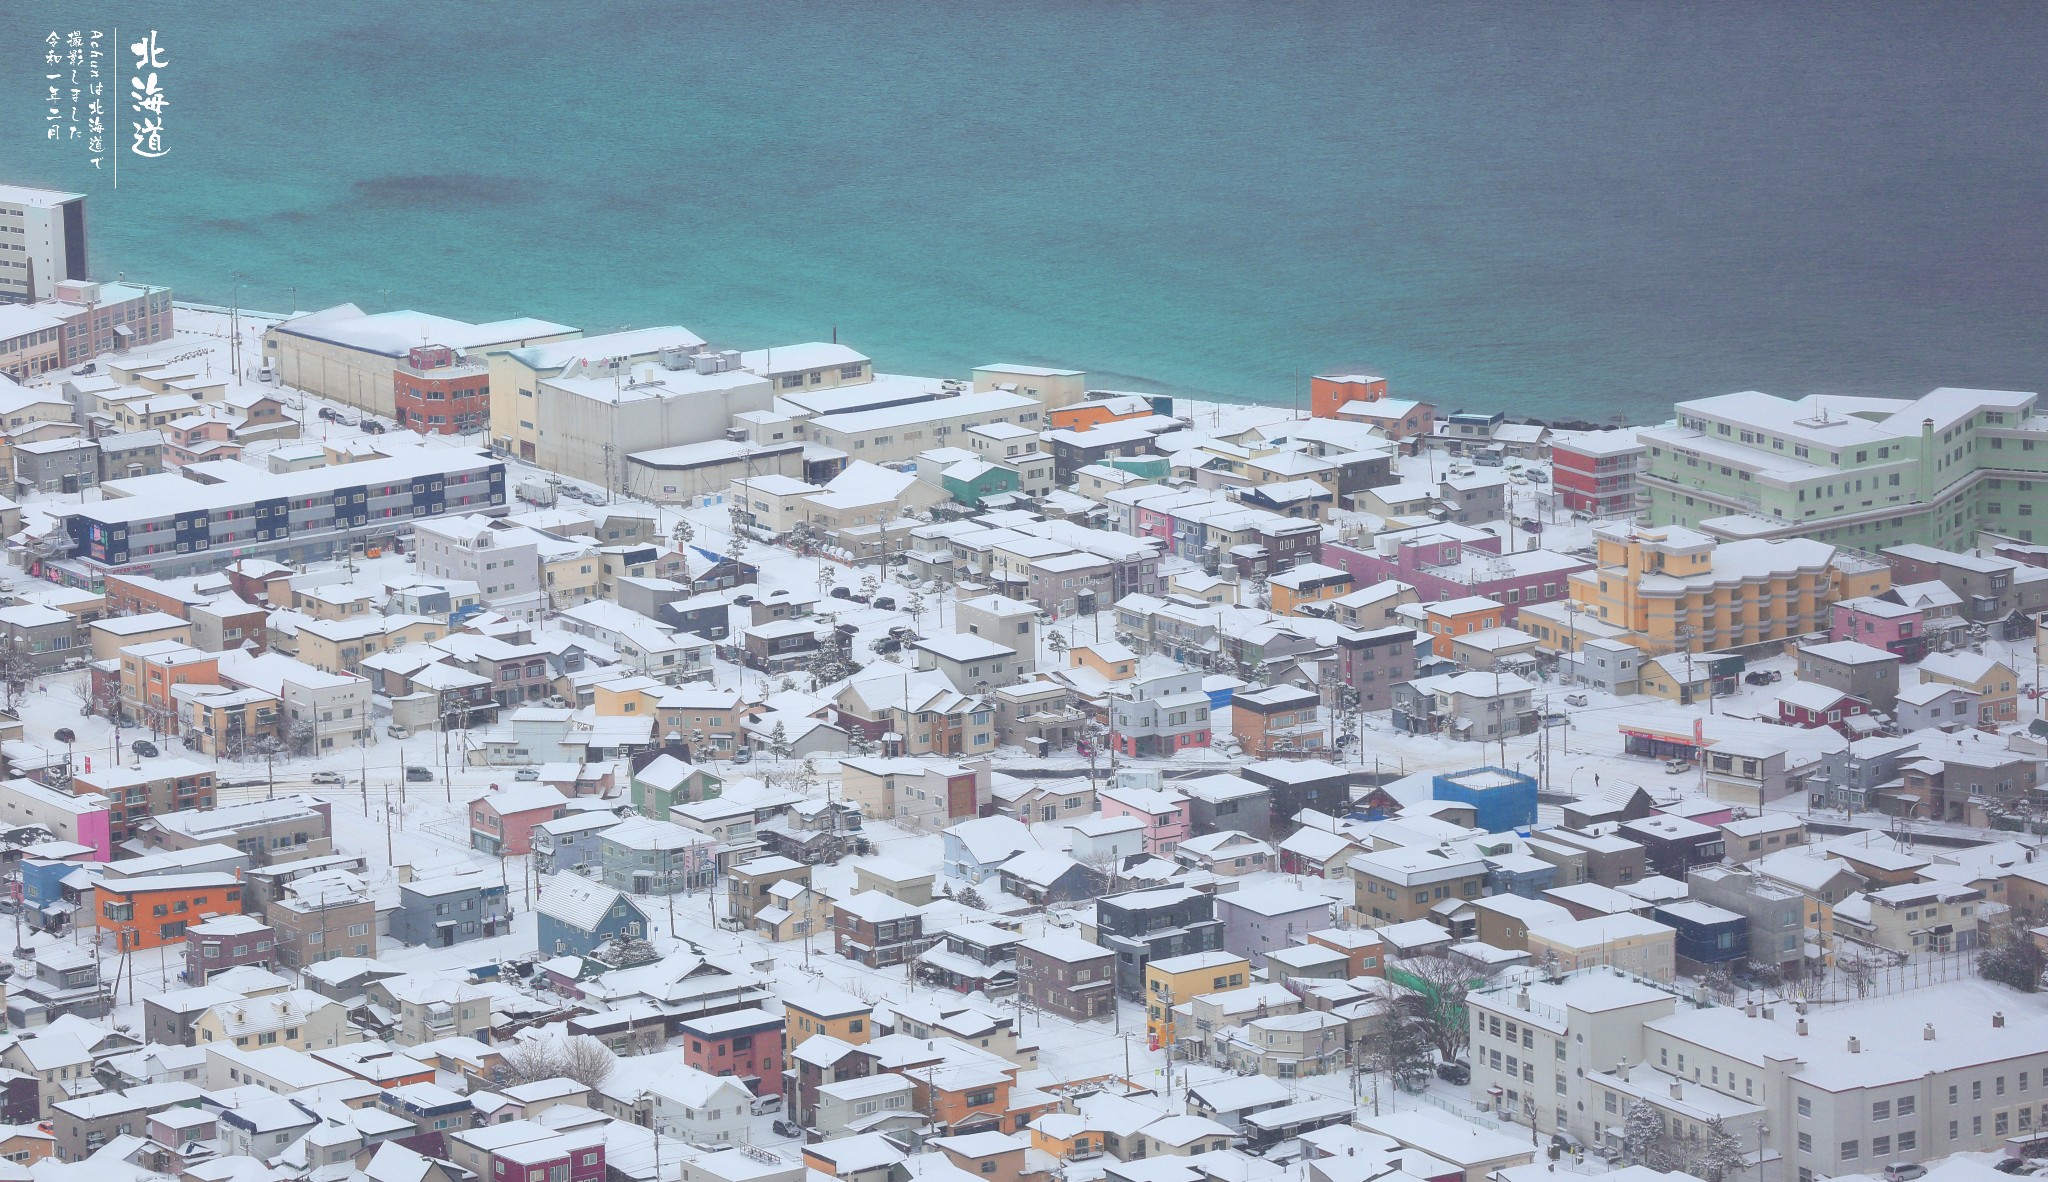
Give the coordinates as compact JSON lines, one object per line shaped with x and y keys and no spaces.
{"x":1642,"y":1135}
{"x":1400,"y":1045}
{"x":2012,"y":958}
{"x":1716,"y":1155}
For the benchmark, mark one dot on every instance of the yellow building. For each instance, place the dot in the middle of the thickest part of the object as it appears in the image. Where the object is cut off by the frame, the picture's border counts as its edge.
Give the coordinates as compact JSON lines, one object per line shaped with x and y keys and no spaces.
{"x":1174,"y":980}
{"x":828,"y":1011}
{"x":1667,"y":589}
{"x":701,"y":714}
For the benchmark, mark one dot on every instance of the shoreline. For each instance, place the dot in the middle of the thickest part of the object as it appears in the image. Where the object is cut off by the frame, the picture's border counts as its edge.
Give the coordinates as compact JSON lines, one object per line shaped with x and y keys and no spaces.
{"x":1192,"y":402}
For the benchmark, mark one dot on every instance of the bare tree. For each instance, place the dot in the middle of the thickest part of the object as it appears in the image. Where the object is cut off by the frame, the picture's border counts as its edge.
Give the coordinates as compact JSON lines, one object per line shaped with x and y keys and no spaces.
{"x":1859,"y":970}
{"x":1444,"y":987}
{"x":588,"y":1061}
{"x":531,"y":1061}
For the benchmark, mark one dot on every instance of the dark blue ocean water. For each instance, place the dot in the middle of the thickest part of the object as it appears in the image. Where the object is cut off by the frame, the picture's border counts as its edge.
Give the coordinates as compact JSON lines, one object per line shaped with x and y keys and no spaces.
{"x":1561,"y":209}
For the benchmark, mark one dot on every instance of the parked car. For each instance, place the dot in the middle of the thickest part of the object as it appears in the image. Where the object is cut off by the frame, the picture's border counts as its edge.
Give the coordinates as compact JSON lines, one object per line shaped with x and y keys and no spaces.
{"x":417,"y":774}
{"x":1454,"y":1073}
{"x":886,"y":602}
{"x":373,"y":426}
{"x":143,"y":748}
{"x":1757,"y":677}
{"x":1677,"y":767}
{"x":1904,"y":1171}
{"x":1575,"y":699}
{"x":842,"y":593}
{"x":330,"y":414}
{"x":527,"y":773}
{"x":88,"y":367}
{"x":787,"y":1128}
{"x":763,"y":1105}
{"x":398,"y":732}
{"x":327,"y":778}
{"x":743,"y":756}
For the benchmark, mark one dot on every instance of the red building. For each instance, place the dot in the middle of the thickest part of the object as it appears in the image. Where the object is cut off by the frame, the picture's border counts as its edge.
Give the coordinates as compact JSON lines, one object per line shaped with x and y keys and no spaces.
{"x":1811,"y":705}
{"x":574,"y":1156}
{"x":1596,"y":473}
{"x":745,"y":1044}
{"x":439,"y":392}
{"x":502,"y":821}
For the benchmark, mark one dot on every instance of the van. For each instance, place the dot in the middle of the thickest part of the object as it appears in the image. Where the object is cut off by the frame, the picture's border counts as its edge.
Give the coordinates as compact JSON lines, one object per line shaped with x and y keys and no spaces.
{"x":398,"y":732}
{"x":1575,"y":699}
{"x":1677,"y":767}
{"x":266,"y":375}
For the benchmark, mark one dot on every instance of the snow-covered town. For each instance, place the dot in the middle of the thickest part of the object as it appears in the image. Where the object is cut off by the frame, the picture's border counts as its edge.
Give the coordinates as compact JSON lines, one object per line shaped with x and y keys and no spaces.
{"x":440,"y":751}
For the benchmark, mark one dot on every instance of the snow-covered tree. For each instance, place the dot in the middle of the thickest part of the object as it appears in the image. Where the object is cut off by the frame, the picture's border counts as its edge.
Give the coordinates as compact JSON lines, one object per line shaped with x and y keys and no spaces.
{"x":778,"y":741}
{"x":1716,"y":1155}
{"x":2012,"y":958}
{"x":683,"y":532}
{"x":1642,"y":1135}
{"x":17,"y":673}
{"x":969,"y":897}
{"x":1056,"y":644}
{"x":1399,"y":1044}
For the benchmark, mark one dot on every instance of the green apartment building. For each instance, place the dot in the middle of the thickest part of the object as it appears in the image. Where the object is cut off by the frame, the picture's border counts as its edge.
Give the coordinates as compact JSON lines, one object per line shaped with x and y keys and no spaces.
{"x":1857,"y":472}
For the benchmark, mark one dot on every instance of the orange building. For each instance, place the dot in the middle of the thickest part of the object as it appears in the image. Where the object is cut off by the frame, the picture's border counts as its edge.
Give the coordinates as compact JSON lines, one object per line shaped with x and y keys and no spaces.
{"x":148,"y":671}
{"x":154,"y":910}
{"x":1310,"y":582}
{"x":1327,"y":393}
{"x":1460,"y":617}
{"x":1095,"y":412}
{"x":1362,"y":946}
{"x":1113,"y":659}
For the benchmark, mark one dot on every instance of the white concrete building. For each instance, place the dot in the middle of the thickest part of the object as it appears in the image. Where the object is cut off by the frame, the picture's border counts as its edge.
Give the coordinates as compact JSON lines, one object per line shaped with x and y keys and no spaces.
{"x":353,"y":357}
{"x":42,"y":242}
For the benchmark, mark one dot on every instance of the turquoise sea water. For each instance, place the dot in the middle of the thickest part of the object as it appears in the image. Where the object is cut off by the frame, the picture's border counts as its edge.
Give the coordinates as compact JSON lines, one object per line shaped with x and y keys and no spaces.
{"x":1573,"y":210}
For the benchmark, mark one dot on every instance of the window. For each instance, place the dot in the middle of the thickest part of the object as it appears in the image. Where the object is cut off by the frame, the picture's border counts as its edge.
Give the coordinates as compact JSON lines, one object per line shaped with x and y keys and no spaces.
{"x":1906,"y":1103}
{"x":1805,"y":1106}
{"x":1850,"y":1150}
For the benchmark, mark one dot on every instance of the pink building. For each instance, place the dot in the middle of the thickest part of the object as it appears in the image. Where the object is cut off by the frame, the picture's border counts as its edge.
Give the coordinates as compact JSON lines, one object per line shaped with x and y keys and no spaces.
{"x":745,"y":1044}
{"x":502,"y":821}
{"x":1452,"y":561}
{"x":1164,"y":814}
{"x":1880,"y":623}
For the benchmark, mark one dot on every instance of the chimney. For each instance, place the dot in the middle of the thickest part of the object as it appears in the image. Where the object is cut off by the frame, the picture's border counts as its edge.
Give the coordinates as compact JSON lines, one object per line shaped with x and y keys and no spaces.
{"x":1927,"y":1032}
{"x":1768,"y":1013}
{"x":1677,"y":1090}
{"x":1800,"y":1027}
{"x":1855,"y":1045}
{"x":1522,"y":998}
{"x":1997,"y":1019}
{"x":1621,"y":1070}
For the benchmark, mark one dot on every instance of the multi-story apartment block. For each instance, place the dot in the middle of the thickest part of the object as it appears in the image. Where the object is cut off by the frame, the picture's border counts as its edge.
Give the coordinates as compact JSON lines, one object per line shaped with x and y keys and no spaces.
{"x":45,"y":231}
{"x":1372,"y":662}
{"x":1595,"y":473}
{"x":1862,"y":472}
{"x":212,"y":513}
{"x":1671,"y":589}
